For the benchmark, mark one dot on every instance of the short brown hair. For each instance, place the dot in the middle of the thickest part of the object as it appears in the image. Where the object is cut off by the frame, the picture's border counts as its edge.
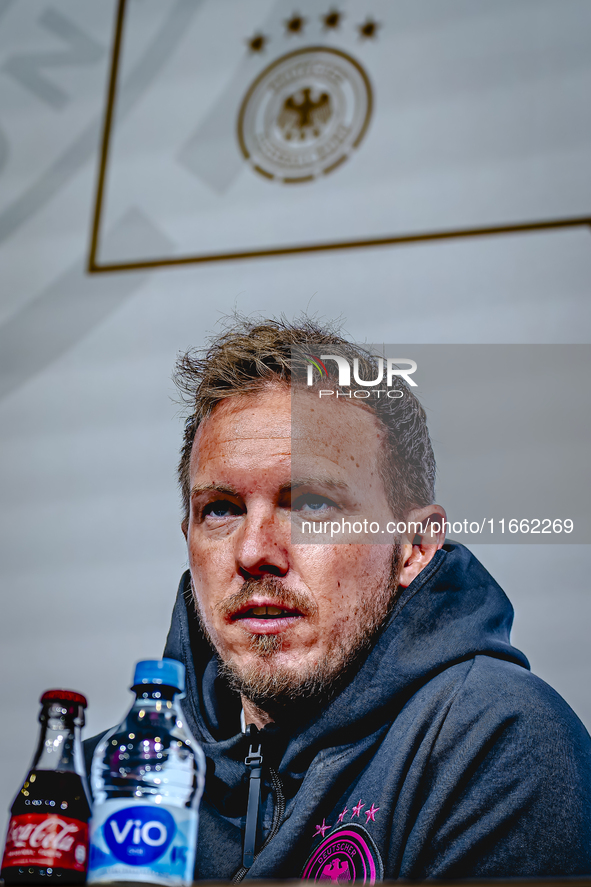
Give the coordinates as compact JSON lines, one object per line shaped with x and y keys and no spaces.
{"x":251,"y":354}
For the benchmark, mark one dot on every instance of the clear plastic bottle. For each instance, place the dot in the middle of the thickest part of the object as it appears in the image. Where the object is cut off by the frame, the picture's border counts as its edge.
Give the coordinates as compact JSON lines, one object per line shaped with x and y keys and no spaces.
{"x":147,"y":778}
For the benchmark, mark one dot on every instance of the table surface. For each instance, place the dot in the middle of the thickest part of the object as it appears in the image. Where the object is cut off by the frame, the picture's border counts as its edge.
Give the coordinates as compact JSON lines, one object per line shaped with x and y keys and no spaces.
{"x":518,"y":882}
{"x":485,"y":882}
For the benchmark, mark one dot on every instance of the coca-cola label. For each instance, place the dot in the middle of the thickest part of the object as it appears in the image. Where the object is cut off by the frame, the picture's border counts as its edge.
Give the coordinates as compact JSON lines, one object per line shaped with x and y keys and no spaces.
{"x":46,"y":839}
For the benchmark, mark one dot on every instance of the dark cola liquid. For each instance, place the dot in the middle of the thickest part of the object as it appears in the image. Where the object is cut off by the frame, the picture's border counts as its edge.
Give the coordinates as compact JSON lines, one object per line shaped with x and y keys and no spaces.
{"x":47,"y":836}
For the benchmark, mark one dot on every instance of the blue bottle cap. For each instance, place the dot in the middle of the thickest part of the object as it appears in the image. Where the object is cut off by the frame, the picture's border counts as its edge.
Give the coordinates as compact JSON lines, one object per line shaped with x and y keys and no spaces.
{"x":160,"y":671}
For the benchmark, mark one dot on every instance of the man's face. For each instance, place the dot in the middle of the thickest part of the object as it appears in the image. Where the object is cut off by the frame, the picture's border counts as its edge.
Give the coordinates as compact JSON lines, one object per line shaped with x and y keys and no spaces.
{"x":286,"y":618}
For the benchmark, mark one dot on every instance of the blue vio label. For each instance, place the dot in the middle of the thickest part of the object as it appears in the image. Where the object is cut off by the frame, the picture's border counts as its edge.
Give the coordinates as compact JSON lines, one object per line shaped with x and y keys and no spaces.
{"x":139,"y":835}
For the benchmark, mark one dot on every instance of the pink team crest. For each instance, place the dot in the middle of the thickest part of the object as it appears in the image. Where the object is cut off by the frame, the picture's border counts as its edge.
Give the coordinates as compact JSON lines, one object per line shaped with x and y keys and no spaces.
{"x":347,"y":854}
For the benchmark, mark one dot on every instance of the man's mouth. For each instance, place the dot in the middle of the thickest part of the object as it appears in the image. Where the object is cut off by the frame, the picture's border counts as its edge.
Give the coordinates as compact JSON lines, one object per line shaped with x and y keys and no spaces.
{"x":266,"y":613}
{"x":265,"y":618}
{"x":266,"y":606}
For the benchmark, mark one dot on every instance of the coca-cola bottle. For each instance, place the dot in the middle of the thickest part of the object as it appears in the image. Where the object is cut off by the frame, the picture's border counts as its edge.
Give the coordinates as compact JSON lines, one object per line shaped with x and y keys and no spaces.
{"x":47,"y":836}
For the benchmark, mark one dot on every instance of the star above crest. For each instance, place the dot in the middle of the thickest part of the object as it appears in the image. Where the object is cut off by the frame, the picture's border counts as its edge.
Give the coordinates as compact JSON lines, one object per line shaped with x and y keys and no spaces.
{"x":370,"y":816}
{"x":332,"y":19}
{"x":357,"y":809}
{"x":369,"y":29}
{"x":371,"y":813}
{"x":257,"y":43}
{"x":321,"y":829}
{"x":296,"y":24}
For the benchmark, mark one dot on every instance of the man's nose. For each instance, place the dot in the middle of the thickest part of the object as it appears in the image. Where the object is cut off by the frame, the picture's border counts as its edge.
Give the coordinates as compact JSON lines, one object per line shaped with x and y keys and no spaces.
{"x":262,"y":544}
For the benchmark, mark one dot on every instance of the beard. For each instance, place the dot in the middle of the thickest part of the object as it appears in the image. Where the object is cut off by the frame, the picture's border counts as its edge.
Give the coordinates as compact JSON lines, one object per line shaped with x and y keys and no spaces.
{"x":271,"y":685}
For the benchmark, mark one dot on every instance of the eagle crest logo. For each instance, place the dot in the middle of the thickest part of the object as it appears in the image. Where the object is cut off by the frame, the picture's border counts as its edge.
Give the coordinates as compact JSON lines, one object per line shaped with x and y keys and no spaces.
{"x":305,"y":115}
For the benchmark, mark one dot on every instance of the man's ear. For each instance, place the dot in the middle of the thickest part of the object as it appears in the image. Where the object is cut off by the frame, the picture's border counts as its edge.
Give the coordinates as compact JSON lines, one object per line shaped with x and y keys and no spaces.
{"x":424,"y":536}
{"x":185,"y":527}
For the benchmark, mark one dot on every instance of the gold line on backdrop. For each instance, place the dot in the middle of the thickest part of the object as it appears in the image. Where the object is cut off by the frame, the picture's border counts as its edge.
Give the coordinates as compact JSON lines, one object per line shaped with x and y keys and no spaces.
{"x":95,"y":267}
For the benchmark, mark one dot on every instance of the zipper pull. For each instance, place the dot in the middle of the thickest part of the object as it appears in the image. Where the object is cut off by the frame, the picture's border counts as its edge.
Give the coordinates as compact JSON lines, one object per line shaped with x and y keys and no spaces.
{"x":254,"y":761}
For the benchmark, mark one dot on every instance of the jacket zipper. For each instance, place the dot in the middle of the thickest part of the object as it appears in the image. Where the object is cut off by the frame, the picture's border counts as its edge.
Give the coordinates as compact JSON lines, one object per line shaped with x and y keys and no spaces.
{"x":254,"y":761}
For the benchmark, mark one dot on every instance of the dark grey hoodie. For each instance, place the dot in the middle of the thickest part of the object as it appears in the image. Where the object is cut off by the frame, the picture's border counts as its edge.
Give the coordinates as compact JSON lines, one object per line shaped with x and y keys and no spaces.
{"x":443,"y":757}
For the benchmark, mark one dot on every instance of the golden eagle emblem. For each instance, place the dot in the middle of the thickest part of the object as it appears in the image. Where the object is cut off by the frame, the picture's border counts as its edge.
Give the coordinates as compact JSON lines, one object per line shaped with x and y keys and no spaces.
{"x":303,"y":116}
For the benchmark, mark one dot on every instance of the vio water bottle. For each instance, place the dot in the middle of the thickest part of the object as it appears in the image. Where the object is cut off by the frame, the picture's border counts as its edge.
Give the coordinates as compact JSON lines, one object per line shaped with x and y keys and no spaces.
{"x":147,"y":779}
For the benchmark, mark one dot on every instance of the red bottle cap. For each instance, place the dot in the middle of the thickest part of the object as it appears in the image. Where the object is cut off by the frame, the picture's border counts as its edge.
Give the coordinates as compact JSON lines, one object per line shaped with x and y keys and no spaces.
{"x":64,"y":696}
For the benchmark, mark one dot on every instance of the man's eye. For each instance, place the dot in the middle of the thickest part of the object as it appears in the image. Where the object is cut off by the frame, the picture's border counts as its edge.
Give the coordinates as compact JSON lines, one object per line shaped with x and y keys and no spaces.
{"x":312,"y":502}
{"x":220,"y":509}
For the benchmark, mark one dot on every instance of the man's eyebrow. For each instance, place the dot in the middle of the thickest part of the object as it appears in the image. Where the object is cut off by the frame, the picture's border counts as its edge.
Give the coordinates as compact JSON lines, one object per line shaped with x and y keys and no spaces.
{"x":311,"y":481}
{"x":316,"y":481}
{"x":224,"y":489}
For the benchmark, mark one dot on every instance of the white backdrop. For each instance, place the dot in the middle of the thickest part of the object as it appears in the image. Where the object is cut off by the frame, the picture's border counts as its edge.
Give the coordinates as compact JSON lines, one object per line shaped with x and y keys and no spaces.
{"x":91,"y":545}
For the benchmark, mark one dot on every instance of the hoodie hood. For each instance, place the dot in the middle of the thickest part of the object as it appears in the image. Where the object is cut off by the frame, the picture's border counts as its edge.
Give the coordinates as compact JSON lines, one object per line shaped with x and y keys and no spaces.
{"x":452,"y":611}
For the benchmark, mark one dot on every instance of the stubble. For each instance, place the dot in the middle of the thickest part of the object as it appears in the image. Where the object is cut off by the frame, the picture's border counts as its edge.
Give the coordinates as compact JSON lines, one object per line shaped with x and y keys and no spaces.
{"x":267,"y":682}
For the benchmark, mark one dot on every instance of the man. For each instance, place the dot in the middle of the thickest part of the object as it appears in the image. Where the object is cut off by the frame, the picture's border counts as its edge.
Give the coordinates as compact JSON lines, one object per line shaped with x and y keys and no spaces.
{"x":363,"y":713}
